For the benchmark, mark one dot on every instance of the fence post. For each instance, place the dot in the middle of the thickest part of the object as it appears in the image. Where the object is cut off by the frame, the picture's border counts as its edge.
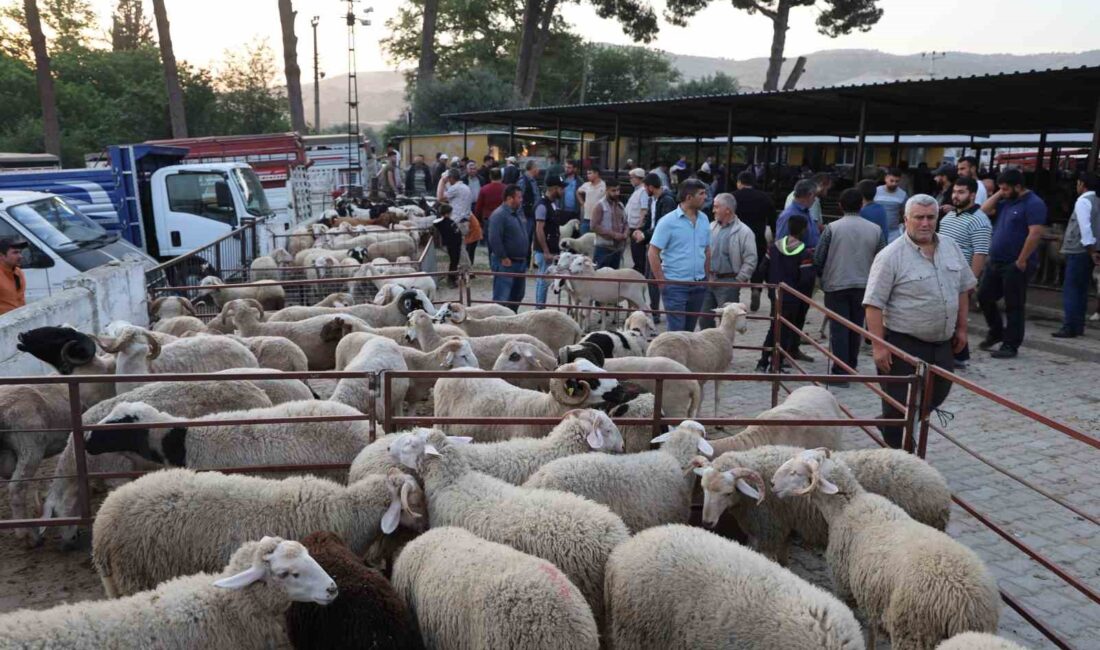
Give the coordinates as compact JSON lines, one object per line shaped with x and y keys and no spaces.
{"x":925,"y":411}
{"x":913,"y":404}
{"x":76,"y":421}
{"x":387,"y":422}
{"x":777,"y":328}
{"x":658,"y":395}
{"x":462,"y":285}
{"x":372,"y":412}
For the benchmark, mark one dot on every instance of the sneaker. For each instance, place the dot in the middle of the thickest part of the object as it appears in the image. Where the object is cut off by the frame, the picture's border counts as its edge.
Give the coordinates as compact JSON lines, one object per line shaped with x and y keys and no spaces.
{"x":1004,"y":352}
{"x":802,"y":356}
{"x":754,"y":302}
{"x":989,"y":342}
{"x":1064,"y":334}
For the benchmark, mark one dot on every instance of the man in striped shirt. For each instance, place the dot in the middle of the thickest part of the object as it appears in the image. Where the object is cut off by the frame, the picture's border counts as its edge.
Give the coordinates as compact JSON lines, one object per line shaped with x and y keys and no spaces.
{"x":970,"y":228}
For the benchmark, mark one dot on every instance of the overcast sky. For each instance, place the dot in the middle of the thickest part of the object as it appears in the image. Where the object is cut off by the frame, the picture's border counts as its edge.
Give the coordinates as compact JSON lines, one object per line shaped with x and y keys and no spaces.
{"x":203,"y":29}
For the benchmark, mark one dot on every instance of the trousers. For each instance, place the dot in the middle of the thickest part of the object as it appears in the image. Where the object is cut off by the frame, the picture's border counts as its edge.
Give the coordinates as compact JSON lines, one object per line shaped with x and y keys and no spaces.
{"x":1004,"y":280}
{"x":680,"y":297}
{"x":934,"y":353}
{"x":844,"y":342}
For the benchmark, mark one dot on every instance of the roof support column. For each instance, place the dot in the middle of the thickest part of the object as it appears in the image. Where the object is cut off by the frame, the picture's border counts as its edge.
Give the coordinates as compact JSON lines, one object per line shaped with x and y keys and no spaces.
{"x":465,"y":135}
{"x":728,"y":181}
{"x":615,"y":174}
{"x":992,"y":158}
{"x":861,"y":141}
{"x":511,"y":139}
{"x":582,"y":148}
{"x":767,"y":161}
{"x":895,"y":151}
{"x":1053,"y":178}
{"x":1095,"y":148}
{"x":557,"y":150}
{"x":1039,"y":154}
{"x":641,"y":160}
{"x":695,"y":161}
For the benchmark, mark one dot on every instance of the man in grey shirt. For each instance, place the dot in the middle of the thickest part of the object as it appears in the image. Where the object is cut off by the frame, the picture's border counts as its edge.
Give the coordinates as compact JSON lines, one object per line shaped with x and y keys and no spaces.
{"x":891,"y":197}
{"x":843,"y":259}
{"x":733,"y":256}
{"x":916,"y":300}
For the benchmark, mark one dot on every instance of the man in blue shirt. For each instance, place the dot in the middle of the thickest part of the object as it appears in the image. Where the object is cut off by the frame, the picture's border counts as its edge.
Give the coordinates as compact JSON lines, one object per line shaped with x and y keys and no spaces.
{"x":872,"y":211}
{"x":570,"y":207}
{"x":508,"y":248}
{"x":805,"y":193}
{"x":680,"y":250}
{"x":1021,"y":218}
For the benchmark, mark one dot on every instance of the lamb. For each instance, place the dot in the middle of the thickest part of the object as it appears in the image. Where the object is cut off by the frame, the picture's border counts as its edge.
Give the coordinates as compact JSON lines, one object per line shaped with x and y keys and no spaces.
{"x":978,"y":641}
{"x":487,"y":349}
{"x":647,"y":489}
{"x":467,"y":592}
{"x":134,"y":545}
{"x":376,"y":355}
{"x":805,"y":403}
{"x":271,"y":295}
{"x":915,"y":581}
{"x":717,"y":595}
{"x":180,"y":326}
{"x":571,"y":227}
{"x":169,"y":307}
{"x":241,"y":607}
{"x":575,"y":534}
{"x":275,"y":352}
{"x":394,"y":313}
{"x":710,"y":350}
{"x":906,"y":480}
{"x":603,"y":286}
{"x":316,"y":336}
{"x":553,"y":328}
{"x":337,"y":300}
{"x":223,"y":322}
{"x":369,"y":612}
{"x":482,"y":397}
{"x":583,"y":245}
{"x":138,"y":353}
{"x":519,"y":355}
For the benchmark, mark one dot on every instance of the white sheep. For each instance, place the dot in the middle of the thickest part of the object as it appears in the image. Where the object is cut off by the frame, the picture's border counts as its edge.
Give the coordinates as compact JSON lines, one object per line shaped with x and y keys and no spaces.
{"x":275,"y":352}
{"x":429,"y":336}
{"x":467,"y":592}
{"x":553,"y":328}
{"x":603,"y":286}
{"x":805,"y":403}
{"x":338,"y":300}
{"x":710,"y":350}
{"x":978,"y":641}
{"x":636,"y":437}
{"x":222,"y":323}
{"x":377,"y":354}
{"x":137,"y":352}
{"x":279,"y":391}
{"x":915,"y":581}
{"x":241,"y":607}
{"x":453,"y":353}
{"x":392,"y":314}
{"x":169,"y":307}
{"x":179,"y":326}
{"x":481,"y":310}
{"x":300,"y":239}
{"x":575,"y":534}
{"x":317,"y":336}
{"x":678,"y":588}
{"x":583,"y":245}
{"x":647,"y":489}
{"x":135,"y":546}
{"x":525,"y":356}
{"x":271,"y":295}
{"x":904,"y":479}
{"x":679,"y":398}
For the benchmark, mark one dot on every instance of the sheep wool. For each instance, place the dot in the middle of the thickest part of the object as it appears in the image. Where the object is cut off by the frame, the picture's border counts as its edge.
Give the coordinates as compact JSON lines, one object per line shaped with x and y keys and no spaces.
{"x":978,"y":641}
{"x":806,"y":403}
{"x":676,"y":586}
{"x":469,"y":593}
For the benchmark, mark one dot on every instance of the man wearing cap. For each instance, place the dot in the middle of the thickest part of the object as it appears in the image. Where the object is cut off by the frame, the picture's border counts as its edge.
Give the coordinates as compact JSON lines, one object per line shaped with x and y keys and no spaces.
{"x":510,"y":174}
{"x":680,"y":250}
{"x":732,"y":256}
{"x":945,"y":176}
{"x":547,"y":235}
{"x":13,"y":284}
{"x":589,"y":195}
{"x":439,"y":169}
{"x":637,"y":207}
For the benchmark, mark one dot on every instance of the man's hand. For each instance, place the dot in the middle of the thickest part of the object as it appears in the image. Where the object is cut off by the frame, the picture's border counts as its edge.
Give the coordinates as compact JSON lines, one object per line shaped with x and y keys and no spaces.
{"x":882,"y":357}
{"x":638,"y":235}
{"x":958,"y":342}
{"x":945,"y":208}
{"x":1021,"y":265}
{"x":506,"y":262}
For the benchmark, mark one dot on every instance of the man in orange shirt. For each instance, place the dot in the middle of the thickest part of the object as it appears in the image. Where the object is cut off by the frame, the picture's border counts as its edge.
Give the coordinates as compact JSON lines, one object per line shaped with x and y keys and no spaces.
{"x":13,"y":285}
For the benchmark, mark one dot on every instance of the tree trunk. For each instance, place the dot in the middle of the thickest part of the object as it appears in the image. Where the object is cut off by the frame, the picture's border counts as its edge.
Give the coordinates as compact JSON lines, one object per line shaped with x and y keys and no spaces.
{"x":426,"y":69}
{"x":171,"y":75}
{"x":537,"y":49}
{"x":531,"y":17}
{"x":51,"y":128}
{"x":779,"y":41}
{"x":290,"y":66}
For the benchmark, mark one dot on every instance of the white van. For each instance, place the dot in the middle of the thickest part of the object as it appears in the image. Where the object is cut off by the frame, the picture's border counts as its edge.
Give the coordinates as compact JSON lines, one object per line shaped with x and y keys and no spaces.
{"x":62,"y":242}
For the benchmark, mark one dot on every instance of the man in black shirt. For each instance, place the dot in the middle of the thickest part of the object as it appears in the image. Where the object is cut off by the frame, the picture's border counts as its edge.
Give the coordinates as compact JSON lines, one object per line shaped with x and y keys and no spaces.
{"x":663,"y":201}
{"x":757,"y":211}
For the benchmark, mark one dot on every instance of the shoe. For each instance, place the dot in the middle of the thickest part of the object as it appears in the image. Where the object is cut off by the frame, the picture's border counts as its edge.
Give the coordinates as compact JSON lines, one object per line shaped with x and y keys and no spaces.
{"x":754,"y":303}
{"x":961,"y":365}
{"x":1064,"y":334}
{"x":762,"y":366}
{"x":1004,"y":352}
{"x":989,"y":342}
{"x":802,"y":356}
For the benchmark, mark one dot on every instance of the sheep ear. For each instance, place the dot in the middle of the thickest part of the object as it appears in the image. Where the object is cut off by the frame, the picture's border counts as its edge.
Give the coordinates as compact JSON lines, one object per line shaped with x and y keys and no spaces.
{"x":661,"y":438}
{"x":705,"y":447}
{"x":699,"y":471}
{"x":595,"y":438}
{"x":449,"y":360}
{"x":827,"y":487}
{"x":431,"y":450}
{"x":459,"y":440}
{"x":746,"y":489}
{"x":242,"y":579}
{"x":392,"y":516}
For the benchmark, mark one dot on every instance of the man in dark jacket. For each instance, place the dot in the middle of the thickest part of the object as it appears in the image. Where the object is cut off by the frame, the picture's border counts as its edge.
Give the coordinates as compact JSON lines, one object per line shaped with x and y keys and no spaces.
{"x":439,"y":168}
{"x":662,"y":201}
{"x":509,"y":248}
{"x":756,"y":210}
{"x":418,"y":180}
{"x":789,"y":260}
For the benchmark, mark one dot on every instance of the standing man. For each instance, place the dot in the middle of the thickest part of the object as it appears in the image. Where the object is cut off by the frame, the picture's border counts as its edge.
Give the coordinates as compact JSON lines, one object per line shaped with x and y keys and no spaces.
{"x":968,"y":168}
{"x":944,"y":176}
{"x":547,"y":235}
{"x":489,"y":199}
{"x":970,"y":229}
{"x":732,"y":256}
{"x":508,"y":248}
{"x":1013,"y":257}
{"x":916,"y":300}
{"x":418,"y":180}
{"x":661,"y":202}
{"x":609,"y":224}
{"x":529,"y":184}
{"x":891,"y":197}
{"x":823,"y":183}
{"x":843,"y":260}
{"x":661,"y":170}
{"x":589,"y":195}
{"x":637,"y":207}
{"x":680,"y":250}
{"x":1080,"y":249}
{"x":387,"y":177}
{"x":553,"y":167}
{"x":13,"y":284}
{"x":872,"y":211}
{"x":472,"y":180}
{"x":510,"y":173}
{"x":571,"y":182}
{"x":757,"y":211}
{"x":805,"y":194}
{"x":439,"y":169}
{"x":457,"y":194}
{"x":487,"y":163}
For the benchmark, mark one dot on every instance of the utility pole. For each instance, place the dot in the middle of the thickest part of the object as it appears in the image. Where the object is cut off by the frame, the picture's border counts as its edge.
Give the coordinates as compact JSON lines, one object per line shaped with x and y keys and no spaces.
{"x":932,"y":57}
{"x":316,"y":78}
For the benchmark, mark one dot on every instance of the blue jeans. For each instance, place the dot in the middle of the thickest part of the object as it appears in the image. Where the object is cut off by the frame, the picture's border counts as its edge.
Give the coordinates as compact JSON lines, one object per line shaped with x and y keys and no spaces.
{"x":606,"y":257}
{"x":508,"y":291}
{"x":681,"y":297}
{"x":585,"y":226}
{"x":541,"y":284}
{"x":1075,"y":292}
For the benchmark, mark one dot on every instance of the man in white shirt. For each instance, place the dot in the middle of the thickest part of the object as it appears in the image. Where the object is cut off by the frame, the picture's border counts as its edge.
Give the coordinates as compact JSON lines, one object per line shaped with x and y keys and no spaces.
{"x":457,"y":194}
{"x":636,"y":208}
{"x":1081,"y":251}
{"x":968,"y":168}
{"x":589,"y":195}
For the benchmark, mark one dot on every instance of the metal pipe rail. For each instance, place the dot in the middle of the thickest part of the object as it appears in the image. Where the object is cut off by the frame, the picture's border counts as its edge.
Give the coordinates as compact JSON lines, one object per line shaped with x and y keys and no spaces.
{"x":297,"y":283}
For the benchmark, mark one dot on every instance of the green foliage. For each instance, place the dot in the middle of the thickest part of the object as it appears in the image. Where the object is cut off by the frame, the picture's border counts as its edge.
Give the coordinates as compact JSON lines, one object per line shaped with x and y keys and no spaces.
{"x":718,"y":83}
{"x":469,"y":90}
{"x":67,"y":24}
{"x":130,"y":27}
{"x":247,"y":102}
{"x":617,"y":73}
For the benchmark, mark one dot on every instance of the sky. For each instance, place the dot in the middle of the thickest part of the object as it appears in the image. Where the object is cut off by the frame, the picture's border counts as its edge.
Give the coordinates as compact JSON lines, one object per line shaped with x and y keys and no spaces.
{"x":203,"y":29}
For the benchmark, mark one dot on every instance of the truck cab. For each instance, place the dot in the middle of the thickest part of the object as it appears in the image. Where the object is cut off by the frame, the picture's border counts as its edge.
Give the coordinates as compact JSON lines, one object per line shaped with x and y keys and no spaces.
{"x":62,"y":241}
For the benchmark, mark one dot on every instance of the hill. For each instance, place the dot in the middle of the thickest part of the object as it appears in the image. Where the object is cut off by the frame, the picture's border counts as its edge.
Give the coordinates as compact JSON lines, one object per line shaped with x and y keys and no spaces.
{"x":381,"y":98}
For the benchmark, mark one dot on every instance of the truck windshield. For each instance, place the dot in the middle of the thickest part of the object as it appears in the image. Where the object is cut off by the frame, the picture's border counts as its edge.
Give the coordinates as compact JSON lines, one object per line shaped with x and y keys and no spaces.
{"x":254,"y":199}
{"x":58,"y":224}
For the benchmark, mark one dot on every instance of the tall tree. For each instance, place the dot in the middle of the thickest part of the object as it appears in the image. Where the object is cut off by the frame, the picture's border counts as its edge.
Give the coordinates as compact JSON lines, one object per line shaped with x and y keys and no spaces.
{"x":68,"y":23}
{"x":719,"y":83}
{"x":248,"y":97}
{"x":425,"y":71}
{"x":290,"y":67}
{"x":835,"y":18}
{"x":51,"y":127}
{"x":176,"y":113}
{"x":130,"y":27}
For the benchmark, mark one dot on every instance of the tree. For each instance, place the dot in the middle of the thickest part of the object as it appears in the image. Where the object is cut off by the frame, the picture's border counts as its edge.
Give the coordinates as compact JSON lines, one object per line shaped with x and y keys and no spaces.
{"x":719,"y":83}
{"x":51,"y":127}
{"x":247,"y":99}
{"x":66,"y":24}
{"x":177,"y":114}
{"x":426,"y":69}
{"x":436,"y":97}
{"x":130,"y":27}
{"x":835,"y":18}
{"x":290,"y":67}
{"x":619,"y":73}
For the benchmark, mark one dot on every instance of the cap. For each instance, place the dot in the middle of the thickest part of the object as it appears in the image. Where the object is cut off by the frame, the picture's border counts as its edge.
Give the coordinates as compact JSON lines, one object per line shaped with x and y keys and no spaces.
{"x":554,"y":181}
{"x":8,"y":243}
{"x":455,"y":159}
{"x":705,"y":168}
{"x":946,"y":169}
{"x":637,"y":172}
{"x":442,"y":156}
{"x":510,"y":159}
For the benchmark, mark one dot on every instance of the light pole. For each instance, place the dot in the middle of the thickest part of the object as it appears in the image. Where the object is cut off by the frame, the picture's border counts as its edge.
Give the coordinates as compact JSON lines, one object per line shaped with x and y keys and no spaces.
{"x":316,"y":78}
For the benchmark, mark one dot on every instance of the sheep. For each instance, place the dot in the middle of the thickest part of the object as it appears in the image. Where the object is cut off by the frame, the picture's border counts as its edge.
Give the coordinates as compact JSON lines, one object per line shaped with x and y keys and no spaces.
{"x":805,"y":403}
{"x":569,"y":228}
{"x":271,"y":295}
{"x":483,"y":397}
{"x":300,"y":239}
{"x":169,"y":307}
{"x":263,"y":268}
{"x":217,"y":446}
{"x":134,"y":545}
{"x":575,"y":534}
{"x":317,"y":336}
{"x":453,"y":353}
{"x":636,"y":437}
{"x":553,"y":328}
{"x":978,"y":641}
{"x":614,"y":344}
{"x":377,"y":354}
{"x":679,"y":587}
{"x":180,"y":326}
{"x":279,"y":391}
{"x":241,"y":607}
{"x":393,"y":314}
{"x":603,"y":286}
{"x":426,"y":334}
{"x":680,"y":397}
{"x":524,"y":356}
{"x":482,"y":310}
{"x":913,"y":580}
{"x":467,"y":592}
{"x":583,"y":245}
{"x":710,"y":350}
{"x":904,"y":479}
{"x":368,"y":613}
{"x":647,"y":489}
{"x":392,"y":249}
{"x":337,"y":300}
{"x":222,"y":323}
{"x":379,"y":272}
{"x":138,"y":353}
{"x":275,"y":352}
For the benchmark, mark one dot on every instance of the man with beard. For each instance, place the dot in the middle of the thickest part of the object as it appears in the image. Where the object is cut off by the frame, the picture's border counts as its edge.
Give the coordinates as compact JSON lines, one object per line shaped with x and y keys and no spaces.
{"x":971,"y":230}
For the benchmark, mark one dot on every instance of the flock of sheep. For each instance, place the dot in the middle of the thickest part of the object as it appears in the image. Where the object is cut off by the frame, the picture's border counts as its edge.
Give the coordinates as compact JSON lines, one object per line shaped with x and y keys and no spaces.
{"x":508,"y":535}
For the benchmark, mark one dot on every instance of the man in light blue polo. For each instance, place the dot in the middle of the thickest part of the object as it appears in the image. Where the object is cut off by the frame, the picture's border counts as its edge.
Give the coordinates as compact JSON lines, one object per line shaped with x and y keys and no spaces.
{"x":680,"y":250}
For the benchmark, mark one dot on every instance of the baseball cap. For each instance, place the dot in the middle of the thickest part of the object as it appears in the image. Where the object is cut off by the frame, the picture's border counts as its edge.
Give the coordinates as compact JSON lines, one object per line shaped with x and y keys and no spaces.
{"x":8,"y":243}
{"x":705,"y":168}
{"x":946,"y":169}
{"x":554,"y":181}
{"x":637,"y":172}
{"x":510,"y":159}
{"x":455,"y":159}
{"x":442,"y":156}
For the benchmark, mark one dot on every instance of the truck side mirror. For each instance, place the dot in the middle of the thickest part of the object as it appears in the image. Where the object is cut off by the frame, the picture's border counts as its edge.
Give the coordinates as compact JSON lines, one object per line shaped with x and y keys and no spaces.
{"x":223,"y":195}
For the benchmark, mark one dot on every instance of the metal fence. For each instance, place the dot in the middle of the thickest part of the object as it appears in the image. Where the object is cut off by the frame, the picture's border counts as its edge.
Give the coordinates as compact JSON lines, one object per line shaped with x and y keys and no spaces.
{"x":222,"y":257}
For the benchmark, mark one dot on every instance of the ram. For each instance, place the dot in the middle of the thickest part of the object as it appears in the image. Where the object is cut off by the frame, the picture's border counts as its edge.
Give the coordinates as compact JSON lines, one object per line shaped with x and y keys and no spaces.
{"x":553,"y":328}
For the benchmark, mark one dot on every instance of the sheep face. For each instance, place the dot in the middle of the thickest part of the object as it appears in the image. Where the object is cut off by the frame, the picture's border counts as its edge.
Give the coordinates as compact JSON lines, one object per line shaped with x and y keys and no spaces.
{"x":601,"y":433}
{"x":388,"y":292}
{"x":414,"y":299}
{"x":64,"y":348}
{"x":583,"y":350}
{"x":589,"y":390}
{"x":721,"y":490}
{"x":408,"y":505}
{"x":519,"y":356}
{"x":157,"y":445}
{"x":457,"y":353}
{"x":287,"y":566}
{"x":640,"y":322}
{"x":737,"y":311}
{"x":806,"y":472}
